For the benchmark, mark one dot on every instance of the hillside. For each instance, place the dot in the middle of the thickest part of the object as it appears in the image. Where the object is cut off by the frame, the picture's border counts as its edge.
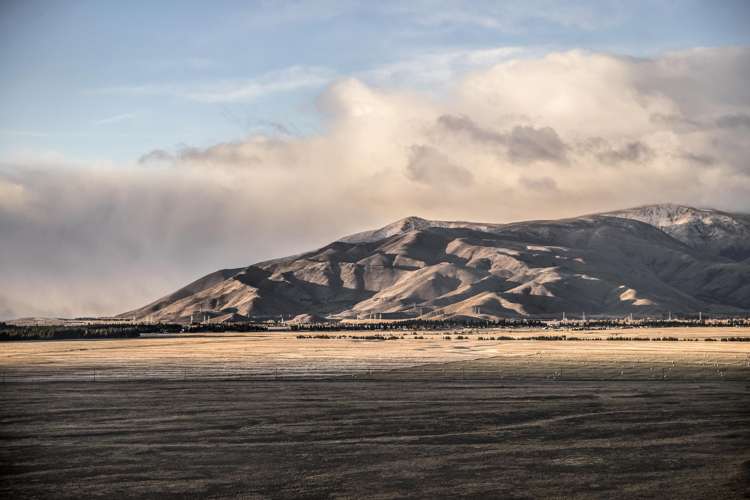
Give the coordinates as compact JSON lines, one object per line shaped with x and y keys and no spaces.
{"x":646,"y":261}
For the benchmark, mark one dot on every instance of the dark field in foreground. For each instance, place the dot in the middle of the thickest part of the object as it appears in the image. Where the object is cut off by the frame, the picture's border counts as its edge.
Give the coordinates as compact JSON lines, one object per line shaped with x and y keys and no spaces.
{"x":377,"y":438}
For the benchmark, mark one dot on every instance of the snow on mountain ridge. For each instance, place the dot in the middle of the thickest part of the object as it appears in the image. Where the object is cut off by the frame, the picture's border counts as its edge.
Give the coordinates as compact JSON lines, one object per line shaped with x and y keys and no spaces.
{"x":412,"y":223}
{"x":668,"y":214}
{"x":706,"y":229}
{"x":710,"y":230}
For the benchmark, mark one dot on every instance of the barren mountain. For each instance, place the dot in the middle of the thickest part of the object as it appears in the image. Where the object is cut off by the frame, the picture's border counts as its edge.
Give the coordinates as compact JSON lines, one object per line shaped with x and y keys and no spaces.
{"x":645,"y":261}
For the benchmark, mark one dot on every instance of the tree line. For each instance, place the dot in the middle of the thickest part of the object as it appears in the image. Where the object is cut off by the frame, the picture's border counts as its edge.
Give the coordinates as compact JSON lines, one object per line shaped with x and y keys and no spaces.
{"x":115,"y":330}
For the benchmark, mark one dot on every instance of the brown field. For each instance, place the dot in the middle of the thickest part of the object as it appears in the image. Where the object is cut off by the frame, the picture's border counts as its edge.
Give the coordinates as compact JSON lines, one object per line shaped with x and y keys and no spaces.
{"x":270,"y":415}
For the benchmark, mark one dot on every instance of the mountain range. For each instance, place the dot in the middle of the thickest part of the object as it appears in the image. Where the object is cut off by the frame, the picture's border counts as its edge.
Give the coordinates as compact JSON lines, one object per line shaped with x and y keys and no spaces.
{"x":646,"y":261}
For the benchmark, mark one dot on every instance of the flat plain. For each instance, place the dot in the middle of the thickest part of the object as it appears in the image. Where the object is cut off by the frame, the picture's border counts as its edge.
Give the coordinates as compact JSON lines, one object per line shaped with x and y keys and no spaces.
{"x":270,"y":415}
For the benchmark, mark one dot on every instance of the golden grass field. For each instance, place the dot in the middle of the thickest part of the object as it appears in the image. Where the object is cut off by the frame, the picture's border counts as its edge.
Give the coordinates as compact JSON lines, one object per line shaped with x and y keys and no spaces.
{"x":281,"y":354}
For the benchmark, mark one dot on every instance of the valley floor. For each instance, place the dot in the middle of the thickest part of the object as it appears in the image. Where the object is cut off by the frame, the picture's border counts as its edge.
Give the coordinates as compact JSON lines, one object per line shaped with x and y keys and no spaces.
{"x":419,"y":418}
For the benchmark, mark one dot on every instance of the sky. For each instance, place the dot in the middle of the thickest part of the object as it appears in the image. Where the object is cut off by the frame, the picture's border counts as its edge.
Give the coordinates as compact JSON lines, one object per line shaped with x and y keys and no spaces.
{"x":144,"y":144}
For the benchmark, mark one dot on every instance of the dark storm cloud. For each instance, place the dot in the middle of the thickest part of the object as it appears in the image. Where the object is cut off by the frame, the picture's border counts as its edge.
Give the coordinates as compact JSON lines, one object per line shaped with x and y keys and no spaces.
{"x":529,"y":144}
{"x":427,"y":165}
{"x":631,"y":152}
{"x":676,"y":123}
{"x":155,"y":156}
{"x":524,"y":144}
{"x":539,"y":183}
{"x":700,"y":159}
{"x":465,"y":125}
{"x":609,"y":155}
{"x":229,"y":153}
{"x":738,"y":120}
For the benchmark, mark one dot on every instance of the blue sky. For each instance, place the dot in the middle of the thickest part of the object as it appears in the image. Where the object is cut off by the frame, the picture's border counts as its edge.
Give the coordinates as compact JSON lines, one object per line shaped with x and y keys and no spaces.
{"x":113,"y":80}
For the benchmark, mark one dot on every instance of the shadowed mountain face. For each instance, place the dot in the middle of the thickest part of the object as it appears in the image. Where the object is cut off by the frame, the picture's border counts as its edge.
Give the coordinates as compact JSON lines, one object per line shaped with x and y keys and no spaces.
{"x":647,"y":260}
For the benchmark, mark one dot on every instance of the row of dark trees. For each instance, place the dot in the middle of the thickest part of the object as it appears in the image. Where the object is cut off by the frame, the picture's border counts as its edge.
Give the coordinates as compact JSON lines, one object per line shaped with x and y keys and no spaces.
{"x":115,"y":330}
{"x":50,"y":332}
{"x":603,"y":324}
{"x":120,"y":330}
{"x":420,"y":324}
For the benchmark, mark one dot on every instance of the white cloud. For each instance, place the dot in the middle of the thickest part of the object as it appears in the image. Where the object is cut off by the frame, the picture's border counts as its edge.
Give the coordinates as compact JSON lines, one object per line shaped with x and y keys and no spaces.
{"x":233,"y":90}
{"x":437,"y":69}
{"x":22,"y":133}
{"x":513,"y":16}
{"x":115,"y":119}
{"x":508,"y":16}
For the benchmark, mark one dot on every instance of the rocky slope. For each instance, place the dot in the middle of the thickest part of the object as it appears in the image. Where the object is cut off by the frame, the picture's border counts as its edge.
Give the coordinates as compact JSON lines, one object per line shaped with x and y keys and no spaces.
{"x":647,"y":260}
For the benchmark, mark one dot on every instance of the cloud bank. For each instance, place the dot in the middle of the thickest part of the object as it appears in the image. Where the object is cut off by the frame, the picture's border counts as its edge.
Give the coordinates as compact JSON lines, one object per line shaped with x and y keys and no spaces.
{"x":545,"y":137}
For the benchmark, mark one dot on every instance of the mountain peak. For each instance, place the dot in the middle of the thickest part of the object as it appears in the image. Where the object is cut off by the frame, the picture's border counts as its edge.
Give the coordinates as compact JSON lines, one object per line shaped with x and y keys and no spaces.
{"x":411,"y":222}
{"x":404,"y":225}
{"x":414,"y":223}
{"x":665,"y":215}
{"x":701,"y":228}
{"x":666,"y":208}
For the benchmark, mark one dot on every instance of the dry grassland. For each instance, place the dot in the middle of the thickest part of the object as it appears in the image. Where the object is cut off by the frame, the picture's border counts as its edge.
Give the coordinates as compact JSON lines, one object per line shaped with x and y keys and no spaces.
{"x":272,"y":416}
